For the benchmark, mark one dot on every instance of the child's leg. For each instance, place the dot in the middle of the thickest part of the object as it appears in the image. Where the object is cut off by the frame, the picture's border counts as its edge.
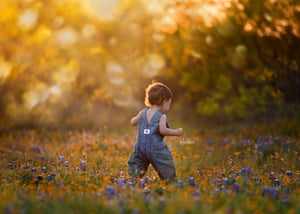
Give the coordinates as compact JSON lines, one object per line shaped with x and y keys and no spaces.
{"x":137,"y":165}
{"x":163,"y":163}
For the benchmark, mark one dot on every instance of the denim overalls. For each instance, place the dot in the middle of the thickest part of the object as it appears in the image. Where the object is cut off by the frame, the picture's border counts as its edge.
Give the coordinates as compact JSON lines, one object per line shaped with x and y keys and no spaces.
{"x":150,"y":148}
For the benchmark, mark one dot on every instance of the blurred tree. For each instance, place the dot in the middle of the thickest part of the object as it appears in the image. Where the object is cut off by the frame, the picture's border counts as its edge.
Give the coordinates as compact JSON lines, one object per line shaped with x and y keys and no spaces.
{"x":242,"y":65}
{"x":225,"y":60}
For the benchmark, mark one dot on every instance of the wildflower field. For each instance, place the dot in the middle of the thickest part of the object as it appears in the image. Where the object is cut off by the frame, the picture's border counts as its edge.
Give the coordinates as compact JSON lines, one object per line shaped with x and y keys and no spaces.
{"x":253,"y":170}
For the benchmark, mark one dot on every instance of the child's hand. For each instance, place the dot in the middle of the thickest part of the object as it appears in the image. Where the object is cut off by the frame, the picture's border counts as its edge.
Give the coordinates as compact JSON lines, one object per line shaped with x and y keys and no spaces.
{"x":179,"y":131}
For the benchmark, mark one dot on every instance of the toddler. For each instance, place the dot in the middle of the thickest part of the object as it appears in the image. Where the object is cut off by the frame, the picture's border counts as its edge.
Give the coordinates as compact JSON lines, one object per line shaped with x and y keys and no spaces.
{"x":152,"y":126}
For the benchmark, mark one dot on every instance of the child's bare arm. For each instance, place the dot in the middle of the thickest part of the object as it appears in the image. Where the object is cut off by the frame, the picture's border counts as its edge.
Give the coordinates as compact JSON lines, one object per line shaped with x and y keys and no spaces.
{"x":167,"y":131}
{"x":135,"y":120}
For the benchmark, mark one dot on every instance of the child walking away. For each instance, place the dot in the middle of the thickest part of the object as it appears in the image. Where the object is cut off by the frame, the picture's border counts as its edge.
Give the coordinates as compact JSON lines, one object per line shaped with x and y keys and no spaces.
{"x":152,"y":126}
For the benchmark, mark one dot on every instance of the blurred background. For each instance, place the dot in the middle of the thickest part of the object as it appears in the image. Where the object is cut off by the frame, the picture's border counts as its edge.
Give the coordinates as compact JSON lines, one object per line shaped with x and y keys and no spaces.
{"x":86,"y":63}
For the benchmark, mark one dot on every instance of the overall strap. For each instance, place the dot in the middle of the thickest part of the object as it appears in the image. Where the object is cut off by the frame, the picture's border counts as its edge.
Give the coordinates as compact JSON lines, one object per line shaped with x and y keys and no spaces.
{"x":157,"y":115}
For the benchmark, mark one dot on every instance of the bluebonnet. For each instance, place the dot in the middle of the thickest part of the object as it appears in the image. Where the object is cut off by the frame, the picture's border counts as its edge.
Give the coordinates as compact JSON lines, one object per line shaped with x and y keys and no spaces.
{"x":180,"y":183}
{"x":83,"y":165}
{"x":270,"y":192}
{"x":141,"y":183}
{"x":289,"y":174}
{"x":44,"y":170}
{"x":11,"y":165}
{"x":40,"y":177}
{"x":148,"y":180}
{"x":226,"y":181}
{"x":121,"y":182}
{"x":245,"y":171}
{"x":110,"y":191}
{"x":131,"y":183}
{"x":236,"y":186}
{"x":191,"y":182}
{"x":61,"y":158}
{"x":276,"y":181}
{"x":51,"y":177}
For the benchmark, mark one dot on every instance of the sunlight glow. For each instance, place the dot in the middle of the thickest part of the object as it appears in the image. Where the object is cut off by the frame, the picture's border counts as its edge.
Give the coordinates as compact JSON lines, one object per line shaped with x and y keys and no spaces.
{"x":154,"y":7}
{"x":88,"y":31}
{"x":125,"y":101}
{"x":66,"y":74}
{"x":31,"y":99}
{"x":40,"y":94}
{"x":158,"y":37}
{"x":34,"y":96}
{"x":209,"y":40}
{"x":168,"y":16}
{"x":5,"y":69}
{"x":154,"y":64}
{"x":103,"y":9}
{"x":66,"y":36}
{"x":210,"y":13}
{"x":268,"y":17}
{"x":196,"y":54}
{"x":55,"y":90}
{"x":248,"y":27}
{"x":115,"y":73}
{"x":168,"y":24}
{"x":28,"y":19}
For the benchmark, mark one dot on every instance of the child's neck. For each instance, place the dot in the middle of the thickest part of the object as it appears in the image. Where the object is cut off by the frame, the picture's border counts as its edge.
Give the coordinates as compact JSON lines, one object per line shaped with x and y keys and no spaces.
{"x":155,"y":107}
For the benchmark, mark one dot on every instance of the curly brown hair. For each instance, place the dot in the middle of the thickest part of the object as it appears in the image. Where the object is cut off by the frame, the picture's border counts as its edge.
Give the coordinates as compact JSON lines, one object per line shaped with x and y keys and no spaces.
{"x":157,"y":93}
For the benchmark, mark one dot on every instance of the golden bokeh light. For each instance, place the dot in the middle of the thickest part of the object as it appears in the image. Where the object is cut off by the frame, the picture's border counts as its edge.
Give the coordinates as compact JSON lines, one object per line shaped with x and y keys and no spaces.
{"x":102,"y":9}
{"x":154,"y":64}
{"x":5,"y":69}
{"x":66,"y":36}
{"x":74,"y":58}
{"x":115,"y":73}
{"x":28,"y":19}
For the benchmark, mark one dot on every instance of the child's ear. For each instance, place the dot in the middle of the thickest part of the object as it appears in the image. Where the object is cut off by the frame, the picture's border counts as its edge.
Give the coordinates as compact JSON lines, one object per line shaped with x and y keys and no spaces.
{"x":167,"y":100}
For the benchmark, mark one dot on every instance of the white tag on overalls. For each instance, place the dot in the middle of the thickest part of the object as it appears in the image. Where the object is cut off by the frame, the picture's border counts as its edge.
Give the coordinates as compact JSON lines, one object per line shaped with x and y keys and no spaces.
{"x":146,"y":131}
